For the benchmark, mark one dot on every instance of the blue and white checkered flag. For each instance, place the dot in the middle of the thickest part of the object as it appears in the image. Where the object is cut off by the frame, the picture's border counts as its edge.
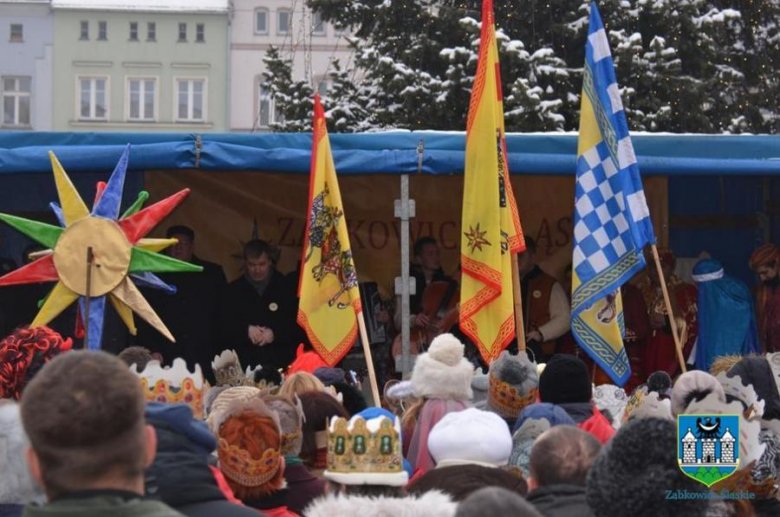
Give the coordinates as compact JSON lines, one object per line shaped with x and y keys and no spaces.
{"x":611,"y":220}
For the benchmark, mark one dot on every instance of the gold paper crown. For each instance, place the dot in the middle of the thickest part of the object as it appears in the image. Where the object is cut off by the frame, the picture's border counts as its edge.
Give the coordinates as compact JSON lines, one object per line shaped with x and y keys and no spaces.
{"x":365,"y":447}
{"x":506,"y":399}
{"x":227,"y":370}
{"x":172,"y":385}
{"x":237,"y":463}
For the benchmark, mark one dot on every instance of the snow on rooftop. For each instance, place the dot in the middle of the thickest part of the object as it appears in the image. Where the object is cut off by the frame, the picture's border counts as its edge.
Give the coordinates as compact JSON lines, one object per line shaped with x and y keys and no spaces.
{"x":164,"y":6}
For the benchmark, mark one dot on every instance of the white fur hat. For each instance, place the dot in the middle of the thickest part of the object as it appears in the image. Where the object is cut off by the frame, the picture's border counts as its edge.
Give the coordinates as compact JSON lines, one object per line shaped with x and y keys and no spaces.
{"x":470,"y":436}
{"x":442,"y":372}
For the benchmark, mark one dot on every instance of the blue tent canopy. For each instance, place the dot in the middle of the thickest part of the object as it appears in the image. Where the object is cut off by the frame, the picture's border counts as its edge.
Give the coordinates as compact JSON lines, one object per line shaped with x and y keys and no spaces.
{"x":376,"y":153}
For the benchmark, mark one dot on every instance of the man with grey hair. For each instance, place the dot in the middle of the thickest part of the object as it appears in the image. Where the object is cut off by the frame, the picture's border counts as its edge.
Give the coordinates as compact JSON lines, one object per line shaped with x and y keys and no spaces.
{"x":560,"y":461}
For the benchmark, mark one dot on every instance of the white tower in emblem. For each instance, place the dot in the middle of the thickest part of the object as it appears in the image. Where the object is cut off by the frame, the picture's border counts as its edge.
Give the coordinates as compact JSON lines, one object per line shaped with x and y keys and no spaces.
{"x":727,"y":447}
{"x":689,"y":447}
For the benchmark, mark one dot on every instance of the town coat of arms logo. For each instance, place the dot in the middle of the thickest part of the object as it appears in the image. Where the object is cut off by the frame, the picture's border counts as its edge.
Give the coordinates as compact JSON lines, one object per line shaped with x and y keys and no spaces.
{"x":708,"y":446}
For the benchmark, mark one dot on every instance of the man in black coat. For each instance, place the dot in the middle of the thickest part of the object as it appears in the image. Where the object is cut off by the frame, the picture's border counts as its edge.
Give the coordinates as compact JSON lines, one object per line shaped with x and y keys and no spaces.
{"x":258,"y":312}
{"x":560,"y":461}
{"x":192,"y":313}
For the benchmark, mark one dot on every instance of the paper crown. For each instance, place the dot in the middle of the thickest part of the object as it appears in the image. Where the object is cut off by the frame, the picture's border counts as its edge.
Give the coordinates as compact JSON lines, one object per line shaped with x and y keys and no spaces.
{"x":172,"y":385}
{"x":228,"y":372}
{"x":237,"y":463}
{"x":365,"y":452}
{"x":506,"y":399}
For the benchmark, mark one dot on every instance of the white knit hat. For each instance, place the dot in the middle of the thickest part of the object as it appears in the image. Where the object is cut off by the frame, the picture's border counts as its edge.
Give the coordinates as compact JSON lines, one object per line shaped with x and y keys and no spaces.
{"x":443,"y":372}
{"x":471,"y":436}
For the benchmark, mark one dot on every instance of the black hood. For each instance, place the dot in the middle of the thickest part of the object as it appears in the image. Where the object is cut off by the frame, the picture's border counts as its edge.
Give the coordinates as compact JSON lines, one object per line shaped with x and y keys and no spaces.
{"x":180,"y":474}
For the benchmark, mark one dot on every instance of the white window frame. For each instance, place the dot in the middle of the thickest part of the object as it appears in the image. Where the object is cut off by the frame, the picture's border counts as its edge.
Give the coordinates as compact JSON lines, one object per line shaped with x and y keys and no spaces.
{"x":156,"y":92}
{"x":153,"y":33}
{"x":179,"y":39}
{"x":83,"y":30}
{"x":102,"y":24}
{"x":324,"y":32}
{"x":282,"y":30}
{"x":267,"y":20}
{"x":130,"y":36}
{"x":93,"y":105}
{"x":17,"y":95}
{"x":200,"y":30}
{"x":204,"y":110}
{"x":20,"y":39}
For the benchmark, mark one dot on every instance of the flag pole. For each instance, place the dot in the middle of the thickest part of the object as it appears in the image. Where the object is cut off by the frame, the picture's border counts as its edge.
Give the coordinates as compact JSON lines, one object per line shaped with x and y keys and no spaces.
{"x":518,"y":296}
{"x":369,"y":359}
{"x":90,"y":262}
{"x":668,"y":303}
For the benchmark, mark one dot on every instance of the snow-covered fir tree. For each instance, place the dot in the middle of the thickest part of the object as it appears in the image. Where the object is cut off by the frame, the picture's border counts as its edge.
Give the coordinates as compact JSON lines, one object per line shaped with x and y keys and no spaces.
{"x":683,"y":65}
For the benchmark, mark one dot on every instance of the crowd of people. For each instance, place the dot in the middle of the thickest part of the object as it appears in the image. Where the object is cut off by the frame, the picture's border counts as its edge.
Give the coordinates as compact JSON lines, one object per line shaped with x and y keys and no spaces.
{"x":87,"y":433}
{"x":242,"y":418}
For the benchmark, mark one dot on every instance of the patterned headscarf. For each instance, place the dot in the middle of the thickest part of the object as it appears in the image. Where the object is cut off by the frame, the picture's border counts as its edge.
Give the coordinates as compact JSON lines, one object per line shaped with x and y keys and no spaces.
{"x":23,"y":354}
{"x":764,"y":255}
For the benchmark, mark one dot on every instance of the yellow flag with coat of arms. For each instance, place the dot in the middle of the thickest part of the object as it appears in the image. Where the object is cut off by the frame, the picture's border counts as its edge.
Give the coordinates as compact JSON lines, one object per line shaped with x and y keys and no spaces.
{"x":328,"y":288}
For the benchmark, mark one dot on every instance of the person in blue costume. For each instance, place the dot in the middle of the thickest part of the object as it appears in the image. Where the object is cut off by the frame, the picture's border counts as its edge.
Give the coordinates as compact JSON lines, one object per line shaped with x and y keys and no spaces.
{"x":727,"y":323}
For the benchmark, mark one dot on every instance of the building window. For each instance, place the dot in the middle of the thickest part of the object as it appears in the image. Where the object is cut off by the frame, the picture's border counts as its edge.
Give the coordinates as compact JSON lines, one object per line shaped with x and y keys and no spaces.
{"x":265,"y":105}
{"x":324,"y":87}
{"x":17,"y":33}
{"x":200,"y":33}
{"x":182,"y":33}
{"x":317,"y":24}
{"x":191,"y":99}
{"x":84,"y":32}
{"x":133,"y":31}
{"x":151,"y":31}
{"x":16,"y":101}
{"x":261,"y":21}
{"x":93,"y":95}
{"x":141,"y":99}
{"x":267,"y":110}
{"x":102,"y":31}
{"x":283,"y":21}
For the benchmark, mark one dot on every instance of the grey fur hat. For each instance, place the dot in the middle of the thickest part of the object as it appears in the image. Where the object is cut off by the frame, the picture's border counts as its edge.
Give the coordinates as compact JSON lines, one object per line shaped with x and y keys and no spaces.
{"x":511,"y":384}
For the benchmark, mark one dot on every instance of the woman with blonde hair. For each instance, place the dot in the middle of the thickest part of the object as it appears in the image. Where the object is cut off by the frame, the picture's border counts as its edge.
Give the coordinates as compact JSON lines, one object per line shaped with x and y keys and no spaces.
{"x":299,"y":383}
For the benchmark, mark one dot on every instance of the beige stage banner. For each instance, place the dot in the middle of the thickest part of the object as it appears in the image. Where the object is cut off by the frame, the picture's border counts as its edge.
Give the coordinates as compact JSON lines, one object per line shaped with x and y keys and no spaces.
{"x":223,"y":206}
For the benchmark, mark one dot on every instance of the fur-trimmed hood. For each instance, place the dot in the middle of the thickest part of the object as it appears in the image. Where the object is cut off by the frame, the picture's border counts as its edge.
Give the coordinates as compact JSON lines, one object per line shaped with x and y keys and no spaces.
{"x":16,"y":485}
{"x":443,"y":372}
{"x":430,"y":504}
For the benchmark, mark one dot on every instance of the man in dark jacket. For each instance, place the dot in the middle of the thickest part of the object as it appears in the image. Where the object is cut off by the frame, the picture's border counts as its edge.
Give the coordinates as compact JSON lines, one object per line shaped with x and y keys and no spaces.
{"x":560,"y":461}
{"x":258,"y":312}
{"x":566,"y":382}
{"x":181,"y":476}
{"x":191,"y":314}
{"x":84,"y":416}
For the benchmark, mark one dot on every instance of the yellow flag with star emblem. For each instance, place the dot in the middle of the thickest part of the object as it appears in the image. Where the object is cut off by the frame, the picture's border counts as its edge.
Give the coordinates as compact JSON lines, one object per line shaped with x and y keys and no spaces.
{"x":491,"y":224}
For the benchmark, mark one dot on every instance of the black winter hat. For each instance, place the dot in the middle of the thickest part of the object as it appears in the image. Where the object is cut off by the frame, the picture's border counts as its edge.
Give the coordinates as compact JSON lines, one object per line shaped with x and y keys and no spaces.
{"x":565,"y":379}
{"x":635,"y":471}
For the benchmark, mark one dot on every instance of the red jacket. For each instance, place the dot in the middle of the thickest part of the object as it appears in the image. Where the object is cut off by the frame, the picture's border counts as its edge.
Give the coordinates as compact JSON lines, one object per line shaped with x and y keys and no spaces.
{"x":598,"y":426}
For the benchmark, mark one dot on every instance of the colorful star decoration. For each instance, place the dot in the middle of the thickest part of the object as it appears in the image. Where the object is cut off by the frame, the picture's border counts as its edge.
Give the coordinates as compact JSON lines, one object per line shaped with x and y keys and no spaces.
{"x":476,"y":238}
{"x":121,"y":258}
